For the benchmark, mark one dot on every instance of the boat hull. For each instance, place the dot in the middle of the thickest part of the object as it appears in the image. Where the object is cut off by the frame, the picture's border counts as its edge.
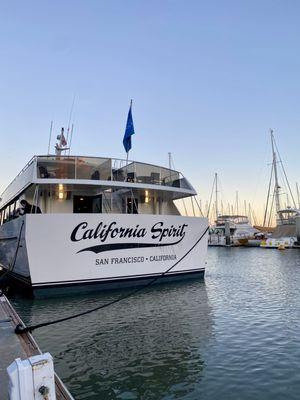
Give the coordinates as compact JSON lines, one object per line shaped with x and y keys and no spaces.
{"x":275,"y":243}
{"x":100,"y":251}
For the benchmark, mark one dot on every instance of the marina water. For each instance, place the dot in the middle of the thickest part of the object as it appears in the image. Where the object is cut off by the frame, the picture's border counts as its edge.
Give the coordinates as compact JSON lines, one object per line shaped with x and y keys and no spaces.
{"x":233,"y":336}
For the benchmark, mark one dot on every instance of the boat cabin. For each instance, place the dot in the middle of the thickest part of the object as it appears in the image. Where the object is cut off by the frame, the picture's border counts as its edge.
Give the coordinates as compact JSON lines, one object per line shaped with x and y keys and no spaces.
{"x":76,"y":184}
{"x":287,"y":216}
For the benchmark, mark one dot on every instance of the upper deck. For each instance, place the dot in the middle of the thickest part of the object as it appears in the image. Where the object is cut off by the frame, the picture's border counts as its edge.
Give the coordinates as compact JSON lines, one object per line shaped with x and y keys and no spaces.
{"x":100,"y":171}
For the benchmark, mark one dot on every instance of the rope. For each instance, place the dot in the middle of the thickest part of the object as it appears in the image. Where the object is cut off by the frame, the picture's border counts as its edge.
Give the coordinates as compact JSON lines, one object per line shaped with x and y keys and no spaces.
{"x":12,"y":265}
{"x":22,"y":329}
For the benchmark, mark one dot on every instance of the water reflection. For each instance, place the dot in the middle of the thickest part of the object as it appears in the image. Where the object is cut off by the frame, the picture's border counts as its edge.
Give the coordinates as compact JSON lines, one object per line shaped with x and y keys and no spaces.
{"x":147,"y":347}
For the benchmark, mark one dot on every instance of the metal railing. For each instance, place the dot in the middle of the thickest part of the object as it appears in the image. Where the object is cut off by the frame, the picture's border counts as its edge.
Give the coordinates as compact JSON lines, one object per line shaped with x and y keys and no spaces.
{"x":108,"y":169}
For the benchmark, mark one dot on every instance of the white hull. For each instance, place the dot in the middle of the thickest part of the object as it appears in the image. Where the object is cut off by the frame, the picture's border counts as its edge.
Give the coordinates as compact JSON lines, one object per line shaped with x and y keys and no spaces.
{"x":274,"y":243}
{"x":71,"y":249}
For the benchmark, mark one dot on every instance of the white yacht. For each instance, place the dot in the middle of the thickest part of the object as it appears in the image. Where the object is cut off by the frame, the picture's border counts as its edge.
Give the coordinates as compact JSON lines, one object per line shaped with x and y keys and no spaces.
{"x":73,"y":220}
{"x":233,"y":230}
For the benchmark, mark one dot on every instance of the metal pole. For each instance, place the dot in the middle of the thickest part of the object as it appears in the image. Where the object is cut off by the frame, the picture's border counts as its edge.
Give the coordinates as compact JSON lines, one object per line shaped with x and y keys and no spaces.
{"x":51,"y":126}
{"x":298,"y":197}
{"x":216,"y":179}
{"x":277,"y":187}
{"x":170,"y":160}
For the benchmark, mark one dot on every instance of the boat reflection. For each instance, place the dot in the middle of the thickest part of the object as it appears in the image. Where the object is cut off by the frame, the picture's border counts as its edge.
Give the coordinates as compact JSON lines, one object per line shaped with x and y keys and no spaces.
{"x":146,"y":347}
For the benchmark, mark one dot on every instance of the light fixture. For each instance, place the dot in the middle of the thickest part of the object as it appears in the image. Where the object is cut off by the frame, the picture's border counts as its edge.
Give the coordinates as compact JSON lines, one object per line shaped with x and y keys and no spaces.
{"x":60,"y":191}
{"x":146,"y":196}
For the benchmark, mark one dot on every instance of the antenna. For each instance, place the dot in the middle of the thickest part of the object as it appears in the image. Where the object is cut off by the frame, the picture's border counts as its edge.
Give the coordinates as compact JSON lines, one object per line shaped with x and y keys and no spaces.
{"x":71,"y":136}
{"x":70,"y":117}
{"x":50,"y":133}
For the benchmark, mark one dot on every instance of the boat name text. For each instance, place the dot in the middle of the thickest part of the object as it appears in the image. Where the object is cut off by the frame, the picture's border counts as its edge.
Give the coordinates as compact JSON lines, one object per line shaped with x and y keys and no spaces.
{"x":103,"y":232}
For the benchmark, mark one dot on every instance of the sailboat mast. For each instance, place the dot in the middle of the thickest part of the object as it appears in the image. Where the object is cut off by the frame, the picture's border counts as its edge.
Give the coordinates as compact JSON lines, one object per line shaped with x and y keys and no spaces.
{"x":298,"y":197}
{"x":216,"y":180}
{"x":277,"y":187}
{"x":237,"y":202}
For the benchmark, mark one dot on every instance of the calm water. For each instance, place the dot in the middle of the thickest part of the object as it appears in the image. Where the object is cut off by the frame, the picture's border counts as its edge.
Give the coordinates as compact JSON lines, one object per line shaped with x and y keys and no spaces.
{"x":234,"y":336}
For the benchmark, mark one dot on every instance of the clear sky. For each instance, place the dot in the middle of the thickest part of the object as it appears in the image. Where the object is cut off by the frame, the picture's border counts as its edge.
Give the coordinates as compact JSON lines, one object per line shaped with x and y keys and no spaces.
{"x":207,"y":79}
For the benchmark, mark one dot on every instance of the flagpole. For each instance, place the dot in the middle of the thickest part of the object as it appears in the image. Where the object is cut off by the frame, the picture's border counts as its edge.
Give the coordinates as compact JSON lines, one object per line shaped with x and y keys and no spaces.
{"x":127,"y":153}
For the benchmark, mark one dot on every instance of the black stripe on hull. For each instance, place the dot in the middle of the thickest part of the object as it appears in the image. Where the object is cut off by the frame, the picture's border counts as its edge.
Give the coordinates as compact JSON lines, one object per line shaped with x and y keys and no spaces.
{"x":84,"y":286}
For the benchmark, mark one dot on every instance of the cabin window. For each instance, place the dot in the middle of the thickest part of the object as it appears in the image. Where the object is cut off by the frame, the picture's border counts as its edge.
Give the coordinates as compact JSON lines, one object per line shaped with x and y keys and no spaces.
{"x":87,"y":204}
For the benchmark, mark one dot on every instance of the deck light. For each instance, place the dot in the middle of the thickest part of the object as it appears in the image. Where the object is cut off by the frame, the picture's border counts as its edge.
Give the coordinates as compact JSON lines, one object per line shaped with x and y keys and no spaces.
{"x":60,"y":191}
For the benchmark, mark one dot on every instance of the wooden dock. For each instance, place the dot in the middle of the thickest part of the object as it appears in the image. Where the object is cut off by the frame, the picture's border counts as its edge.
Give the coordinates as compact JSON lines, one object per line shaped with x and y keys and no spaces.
{"x":22,"y":346}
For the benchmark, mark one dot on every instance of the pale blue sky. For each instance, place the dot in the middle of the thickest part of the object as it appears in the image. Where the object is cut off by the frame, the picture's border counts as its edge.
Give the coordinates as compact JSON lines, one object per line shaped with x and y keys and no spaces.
{"x":208,"y":79}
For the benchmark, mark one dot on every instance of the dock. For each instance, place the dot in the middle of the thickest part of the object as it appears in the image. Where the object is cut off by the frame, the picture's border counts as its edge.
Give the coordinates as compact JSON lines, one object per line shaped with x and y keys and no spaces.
{"x":18,"y":346}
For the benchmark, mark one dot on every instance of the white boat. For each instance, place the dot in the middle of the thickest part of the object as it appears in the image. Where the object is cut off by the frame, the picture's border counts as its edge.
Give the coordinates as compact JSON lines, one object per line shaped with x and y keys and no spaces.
{"x":236,"y":228}
{"x":285,"y":233}
{"x":100,"y":222}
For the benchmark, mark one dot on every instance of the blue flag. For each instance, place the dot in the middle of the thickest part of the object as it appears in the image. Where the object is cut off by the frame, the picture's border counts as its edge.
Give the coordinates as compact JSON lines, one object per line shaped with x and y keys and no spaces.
{"x":128,"y":131}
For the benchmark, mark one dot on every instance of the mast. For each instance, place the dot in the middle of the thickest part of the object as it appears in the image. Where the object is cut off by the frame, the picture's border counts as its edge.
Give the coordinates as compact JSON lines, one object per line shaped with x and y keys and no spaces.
{"x":277,"y":187}
{"x":216,"y":180}
{"x":237,"y":202}
{"x":298,"y":195}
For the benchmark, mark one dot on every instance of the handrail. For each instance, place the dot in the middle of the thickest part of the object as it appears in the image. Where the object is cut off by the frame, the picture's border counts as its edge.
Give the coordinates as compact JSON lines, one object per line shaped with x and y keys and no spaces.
{"x":116,"y":164}
{"x":167,"y":175}
{"x":128,"y":162}
{"x":22,"y":170}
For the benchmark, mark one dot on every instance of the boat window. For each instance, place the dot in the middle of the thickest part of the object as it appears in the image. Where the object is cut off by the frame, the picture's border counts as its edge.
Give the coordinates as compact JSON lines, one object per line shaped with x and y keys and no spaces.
{"x":56,"y":168}
{"x":87,"y":204}
{"x":93,"y":168}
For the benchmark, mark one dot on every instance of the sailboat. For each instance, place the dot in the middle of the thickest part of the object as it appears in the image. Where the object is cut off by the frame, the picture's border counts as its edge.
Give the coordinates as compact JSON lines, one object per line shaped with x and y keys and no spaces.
{"x":231,"y":229}
{"x":288,"y":217}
